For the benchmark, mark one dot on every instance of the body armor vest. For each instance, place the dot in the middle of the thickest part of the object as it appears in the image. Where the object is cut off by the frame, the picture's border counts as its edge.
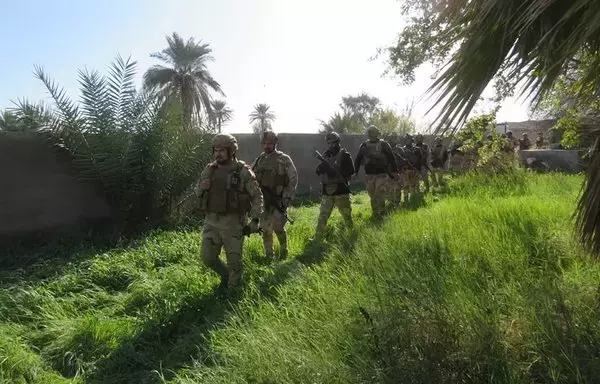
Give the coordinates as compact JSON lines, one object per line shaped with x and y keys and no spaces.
{"x":413,"y":154}
{"x":227,"y":193}
{"x":270,"y":173}
{"x":335,"y":163}
{"x":374,"y":153}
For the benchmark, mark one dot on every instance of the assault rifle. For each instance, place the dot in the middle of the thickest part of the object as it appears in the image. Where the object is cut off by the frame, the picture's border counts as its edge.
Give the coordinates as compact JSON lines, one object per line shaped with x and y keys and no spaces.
{"x":409,"y":163}
{"x":270,"y":199}
{"x":327,"y":165}
{"x":247,"y":231}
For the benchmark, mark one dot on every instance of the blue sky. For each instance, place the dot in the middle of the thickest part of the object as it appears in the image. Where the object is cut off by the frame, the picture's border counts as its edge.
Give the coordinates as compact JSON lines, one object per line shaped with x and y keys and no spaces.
{"x":300,"y":57}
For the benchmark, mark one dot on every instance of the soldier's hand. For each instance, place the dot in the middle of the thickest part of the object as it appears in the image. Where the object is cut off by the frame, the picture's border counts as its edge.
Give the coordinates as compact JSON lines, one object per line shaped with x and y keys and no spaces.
{"x":355,"y":176}
{"x":285,"y":202}
{"x":204,"y":185}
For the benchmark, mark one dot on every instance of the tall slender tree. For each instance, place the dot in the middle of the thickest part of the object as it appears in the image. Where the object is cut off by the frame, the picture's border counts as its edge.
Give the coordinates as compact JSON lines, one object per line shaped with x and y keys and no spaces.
{"x":221,"y":114}
{"x":261,"y":118}
{"x":185,"y":77}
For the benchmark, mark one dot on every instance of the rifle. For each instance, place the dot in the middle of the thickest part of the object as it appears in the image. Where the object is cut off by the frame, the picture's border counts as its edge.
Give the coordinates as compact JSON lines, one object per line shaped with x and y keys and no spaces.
{"x":271,"y":200}
{"x":247,"y":232}
{"x":409,"y":163}
{"x":329,"y":167}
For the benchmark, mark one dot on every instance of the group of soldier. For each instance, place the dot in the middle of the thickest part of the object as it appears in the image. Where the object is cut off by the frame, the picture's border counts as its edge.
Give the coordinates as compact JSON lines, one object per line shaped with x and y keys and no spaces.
{"x":239,"y":199}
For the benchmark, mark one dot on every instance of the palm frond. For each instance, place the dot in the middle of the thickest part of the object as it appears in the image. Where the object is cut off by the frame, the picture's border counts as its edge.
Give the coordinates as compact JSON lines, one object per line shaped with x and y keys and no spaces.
{"x":121,"y":90}
{"x":97,"y":111}
{"x":66,"y":108}
{"x":532,"y":39}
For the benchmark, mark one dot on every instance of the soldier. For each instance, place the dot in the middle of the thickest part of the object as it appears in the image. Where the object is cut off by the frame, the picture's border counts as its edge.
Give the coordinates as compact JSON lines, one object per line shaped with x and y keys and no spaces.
{"x":229,"y":192}
{"x":439,"y":157}
{"x":524,"y":142}
{"x":413,"y":159}
{"x":380,"y":163}
{"x":336,"y":172}
{"x":395,"y":185}
{"x":512,"y":140}
{"x":507,"y":144}
{"x":278,"y":178}
{"x":424,"y":148}
{"x":403,"y":166}
{"x":539,"y":141}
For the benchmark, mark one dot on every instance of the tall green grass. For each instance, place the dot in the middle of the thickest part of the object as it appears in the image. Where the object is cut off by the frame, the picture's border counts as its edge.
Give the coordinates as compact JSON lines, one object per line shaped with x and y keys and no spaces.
{"x":483,"y":283}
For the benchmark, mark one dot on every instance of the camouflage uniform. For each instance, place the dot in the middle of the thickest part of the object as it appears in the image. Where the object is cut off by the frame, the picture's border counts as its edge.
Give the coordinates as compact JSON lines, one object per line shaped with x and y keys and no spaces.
{"x":232,"y":195}
{"x":524,"y":143}
{"x":278,"y":178}
{"x":336,"y":190}
{"x":439,"y":157}
{"x":424,"y":148}
{"x":413,"y":167}
{"x":395,"y":186}
{"x":380,"y":163}
{"x":539,"y":141}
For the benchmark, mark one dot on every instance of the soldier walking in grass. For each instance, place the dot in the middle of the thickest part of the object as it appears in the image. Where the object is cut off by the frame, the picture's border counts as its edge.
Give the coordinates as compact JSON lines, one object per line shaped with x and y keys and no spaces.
{"x":439,"y":157}
{"x":424,"y":149}
{"x":336,"y":169}
{"x":380,"y":164}
{"x":229,"y":193}
{"x":413,"y":159}
{"x":278,"y":179}
{"x":395,"y":186}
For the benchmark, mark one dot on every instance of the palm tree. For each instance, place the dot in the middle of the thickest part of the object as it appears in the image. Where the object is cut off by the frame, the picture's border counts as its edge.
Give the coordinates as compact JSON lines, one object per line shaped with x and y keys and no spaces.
{"x":186,"y":78}
{"x":262,"y":118}
{"x":534,"y":41}
{"x":9,"y":121}
{"x":221,"y":113}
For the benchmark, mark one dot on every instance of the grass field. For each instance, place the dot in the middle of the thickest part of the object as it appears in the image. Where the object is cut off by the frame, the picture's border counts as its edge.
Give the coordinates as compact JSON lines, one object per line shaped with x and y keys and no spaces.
{"x":484,"y":283}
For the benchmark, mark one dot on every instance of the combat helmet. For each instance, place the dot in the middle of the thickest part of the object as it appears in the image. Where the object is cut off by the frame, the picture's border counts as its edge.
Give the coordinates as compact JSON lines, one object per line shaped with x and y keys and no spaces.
{"x":332,"y":136}
{"x":225,"y":140}
{"x":372,"y":131}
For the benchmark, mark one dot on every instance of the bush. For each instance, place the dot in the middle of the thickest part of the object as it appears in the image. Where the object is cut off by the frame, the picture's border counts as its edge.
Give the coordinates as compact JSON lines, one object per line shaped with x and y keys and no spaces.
{"x":132,"y":144}
{"x":484,"y":147}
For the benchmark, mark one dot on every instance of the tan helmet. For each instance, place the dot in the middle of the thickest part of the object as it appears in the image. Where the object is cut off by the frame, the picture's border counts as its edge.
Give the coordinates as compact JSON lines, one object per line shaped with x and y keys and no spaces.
{"x":332,"y":136}
{"x":225,"y":140}
{"x":372,"y":131}
{"x":269,"y":135}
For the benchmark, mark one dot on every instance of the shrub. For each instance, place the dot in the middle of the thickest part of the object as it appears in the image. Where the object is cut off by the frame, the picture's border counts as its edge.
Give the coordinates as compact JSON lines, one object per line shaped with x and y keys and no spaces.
{"x":131,"y":143}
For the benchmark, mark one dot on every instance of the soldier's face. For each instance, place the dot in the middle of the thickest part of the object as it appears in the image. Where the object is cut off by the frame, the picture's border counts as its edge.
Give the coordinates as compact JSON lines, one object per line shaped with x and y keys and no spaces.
{"x":332,"y":145}
{"x":268,"y":146}
{"x":220,"y":155}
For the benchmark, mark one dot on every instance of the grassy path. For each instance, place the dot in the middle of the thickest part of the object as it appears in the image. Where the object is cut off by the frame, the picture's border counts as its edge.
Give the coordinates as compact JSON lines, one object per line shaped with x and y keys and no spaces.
{"x":484,"y":284}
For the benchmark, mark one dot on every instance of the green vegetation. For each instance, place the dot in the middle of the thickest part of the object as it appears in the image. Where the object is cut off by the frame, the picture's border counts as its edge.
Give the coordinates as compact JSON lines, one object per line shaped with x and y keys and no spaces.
{"x":484,"y":283}
{"x":548,"y":48}
{"x":262,"y":118}
{"x":363,"y":110}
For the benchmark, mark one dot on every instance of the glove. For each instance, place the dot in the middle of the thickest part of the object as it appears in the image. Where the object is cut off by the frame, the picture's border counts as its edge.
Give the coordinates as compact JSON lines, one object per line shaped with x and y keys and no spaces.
{"x":285,"y":202}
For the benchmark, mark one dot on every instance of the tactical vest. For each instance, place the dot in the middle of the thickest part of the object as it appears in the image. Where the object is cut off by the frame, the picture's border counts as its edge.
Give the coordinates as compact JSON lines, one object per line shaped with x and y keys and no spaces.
{"x":424,"y":148}
{"x":413,"y":154}
{"x":437,"y":153}
{"x":374,"y":153}
{"x":227,"y":193}
{"x":270,"y":173}
{"x":335,"y":163}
